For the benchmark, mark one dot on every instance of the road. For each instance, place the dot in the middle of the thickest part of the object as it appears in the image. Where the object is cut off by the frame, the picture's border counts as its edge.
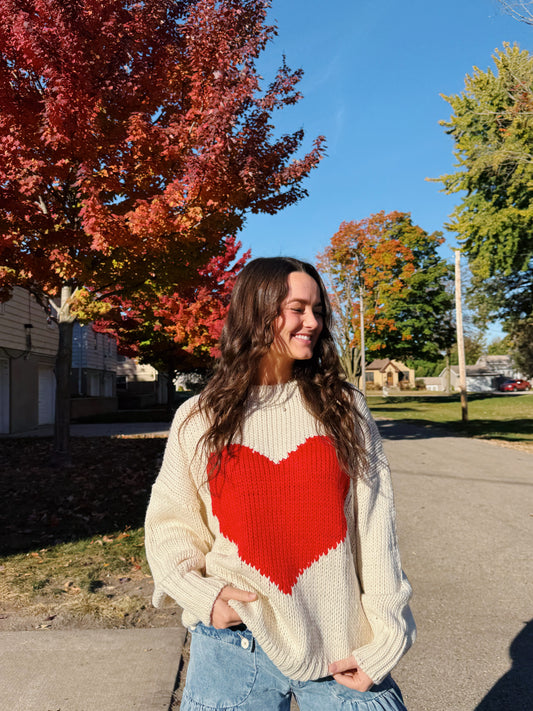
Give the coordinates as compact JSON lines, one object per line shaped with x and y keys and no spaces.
{"x":465,"y":516}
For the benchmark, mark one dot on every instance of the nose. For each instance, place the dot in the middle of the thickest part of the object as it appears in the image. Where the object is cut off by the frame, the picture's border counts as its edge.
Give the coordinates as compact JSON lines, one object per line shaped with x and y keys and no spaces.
{"x":310,"y":320}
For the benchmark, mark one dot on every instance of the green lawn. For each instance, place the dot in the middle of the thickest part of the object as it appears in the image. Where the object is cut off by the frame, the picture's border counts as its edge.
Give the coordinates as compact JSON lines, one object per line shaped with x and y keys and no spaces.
{"x":71,"y":540}
{"x":505,"y":417}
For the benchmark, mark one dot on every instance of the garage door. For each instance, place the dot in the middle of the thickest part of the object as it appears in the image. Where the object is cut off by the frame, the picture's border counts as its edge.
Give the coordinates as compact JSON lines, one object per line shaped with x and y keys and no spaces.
{"x":47,"y":395}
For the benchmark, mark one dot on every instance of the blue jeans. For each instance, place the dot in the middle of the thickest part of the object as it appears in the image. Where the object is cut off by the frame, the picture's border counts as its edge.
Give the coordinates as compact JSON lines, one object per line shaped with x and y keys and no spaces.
{"x":229,"y":671}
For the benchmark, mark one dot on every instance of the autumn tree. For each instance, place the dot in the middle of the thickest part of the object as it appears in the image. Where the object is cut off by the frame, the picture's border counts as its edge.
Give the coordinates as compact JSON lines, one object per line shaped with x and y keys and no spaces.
{"x":392,"y":267}
{"x":492,"y":126}
{"x":134,"y":137}
{"x":178,"y":331}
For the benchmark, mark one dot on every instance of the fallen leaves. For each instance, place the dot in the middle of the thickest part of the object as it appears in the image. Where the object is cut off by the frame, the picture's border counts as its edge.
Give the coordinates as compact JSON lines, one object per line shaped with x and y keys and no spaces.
{"x":106,"y":490}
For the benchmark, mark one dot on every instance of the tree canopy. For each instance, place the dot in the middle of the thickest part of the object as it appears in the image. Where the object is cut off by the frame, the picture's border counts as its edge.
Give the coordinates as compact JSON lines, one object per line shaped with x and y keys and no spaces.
{"x":492,"y":126}
{"x":179,"y":331}
{"x":134,"y":138}
{"x":394,"y":266}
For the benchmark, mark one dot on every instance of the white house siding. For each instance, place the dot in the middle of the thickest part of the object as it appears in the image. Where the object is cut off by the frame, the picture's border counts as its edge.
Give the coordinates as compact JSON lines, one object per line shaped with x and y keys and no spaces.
{"x":140,"y":383}
{"x":94,"y":362}
{"x":28,"y":345}
{"x":22,"y":309}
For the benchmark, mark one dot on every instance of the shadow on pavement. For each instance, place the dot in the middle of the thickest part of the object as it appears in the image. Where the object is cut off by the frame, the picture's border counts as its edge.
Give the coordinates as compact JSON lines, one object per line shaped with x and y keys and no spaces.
{"x":506,"y":430}
{"x":397,"y":429}
{"x":515,"y":689}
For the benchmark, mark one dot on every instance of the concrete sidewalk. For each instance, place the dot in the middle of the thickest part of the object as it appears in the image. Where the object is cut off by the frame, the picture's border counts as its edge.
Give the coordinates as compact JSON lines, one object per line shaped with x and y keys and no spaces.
{"x":89,"y":670}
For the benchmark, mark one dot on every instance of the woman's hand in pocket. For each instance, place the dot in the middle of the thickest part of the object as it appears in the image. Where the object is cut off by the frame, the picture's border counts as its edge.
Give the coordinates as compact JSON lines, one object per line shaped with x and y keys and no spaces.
{"x":347,"y":673}
{"x":222,"y":615}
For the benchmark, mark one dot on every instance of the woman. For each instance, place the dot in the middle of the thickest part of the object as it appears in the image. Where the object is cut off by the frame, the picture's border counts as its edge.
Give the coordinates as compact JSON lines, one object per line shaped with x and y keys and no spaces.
{"x":271,"y":522}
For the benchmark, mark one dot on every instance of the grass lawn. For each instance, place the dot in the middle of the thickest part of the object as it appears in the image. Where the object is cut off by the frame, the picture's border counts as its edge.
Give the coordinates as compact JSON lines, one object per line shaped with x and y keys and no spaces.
{"x":71,"y":541}
{"x":504,"y":417}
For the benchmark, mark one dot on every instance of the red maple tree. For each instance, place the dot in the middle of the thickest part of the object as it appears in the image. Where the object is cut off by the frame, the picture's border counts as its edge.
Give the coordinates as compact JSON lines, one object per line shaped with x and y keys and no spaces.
{"x":178,"y":331}
{"x":134,"y":137}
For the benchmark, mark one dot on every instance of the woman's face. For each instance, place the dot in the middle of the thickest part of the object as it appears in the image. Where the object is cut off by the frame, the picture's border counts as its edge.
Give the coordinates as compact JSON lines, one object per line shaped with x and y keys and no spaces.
{"x":296,"y":329}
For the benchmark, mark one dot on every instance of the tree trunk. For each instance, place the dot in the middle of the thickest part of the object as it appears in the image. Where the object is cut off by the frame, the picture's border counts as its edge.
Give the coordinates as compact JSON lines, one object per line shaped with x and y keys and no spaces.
{"x":171,"y":390}
{"x":351,"y":361}
{"x":61,"y":453}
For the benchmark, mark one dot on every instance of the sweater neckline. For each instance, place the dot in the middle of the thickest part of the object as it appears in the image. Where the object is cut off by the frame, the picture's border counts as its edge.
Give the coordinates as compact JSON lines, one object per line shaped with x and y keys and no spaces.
{"x":272,"y":395}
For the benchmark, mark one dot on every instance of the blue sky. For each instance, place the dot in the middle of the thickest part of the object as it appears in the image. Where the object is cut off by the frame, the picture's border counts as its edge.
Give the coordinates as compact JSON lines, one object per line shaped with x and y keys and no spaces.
{"x":374,"y":72}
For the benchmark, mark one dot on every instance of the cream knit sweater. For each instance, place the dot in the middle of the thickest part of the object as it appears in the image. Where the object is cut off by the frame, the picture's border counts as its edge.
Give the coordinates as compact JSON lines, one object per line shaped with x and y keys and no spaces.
{"x":284,"y":521}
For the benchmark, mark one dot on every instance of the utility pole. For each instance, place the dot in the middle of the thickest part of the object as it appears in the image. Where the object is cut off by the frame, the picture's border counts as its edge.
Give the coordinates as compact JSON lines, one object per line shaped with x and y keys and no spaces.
{"x":362,"y":327}
{"x":460,"y":336}
{"x":362,"y":356}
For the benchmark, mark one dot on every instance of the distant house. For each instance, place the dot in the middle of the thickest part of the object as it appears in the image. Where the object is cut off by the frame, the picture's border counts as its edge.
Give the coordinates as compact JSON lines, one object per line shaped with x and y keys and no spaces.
{"x":387,"y":373}
{"x":94,"y":363}
{"x":93,"y":373}
{"x":485,"y":376}
{"x":139,"y":384}
{"x":502,"y":365}
{"x":28,"y":346}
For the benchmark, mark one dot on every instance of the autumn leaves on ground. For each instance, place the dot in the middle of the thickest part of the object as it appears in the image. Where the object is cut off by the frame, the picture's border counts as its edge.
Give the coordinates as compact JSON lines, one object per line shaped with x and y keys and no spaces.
{"x":72,"y":543}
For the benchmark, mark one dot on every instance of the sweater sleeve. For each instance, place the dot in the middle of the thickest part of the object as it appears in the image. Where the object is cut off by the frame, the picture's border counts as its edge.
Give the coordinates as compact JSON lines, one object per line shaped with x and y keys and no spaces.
{"x":177,"y":538}
{"x":385,"y":590}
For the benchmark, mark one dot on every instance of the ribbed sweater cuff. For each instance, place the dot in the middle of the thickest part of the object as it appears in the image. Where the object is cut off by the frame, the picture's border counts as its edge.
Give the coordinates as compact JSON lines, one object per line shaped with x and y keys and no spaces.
{"x":193,"y":592}
{"x":378,"y":660}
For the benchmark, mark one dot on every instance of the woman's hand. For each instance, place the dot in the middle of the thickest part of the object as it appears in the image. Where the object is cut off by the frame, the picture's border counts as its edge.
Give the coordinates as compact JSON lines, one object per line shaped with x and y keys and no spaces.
{"x":347,"y":673}
{"x":222,"y":615}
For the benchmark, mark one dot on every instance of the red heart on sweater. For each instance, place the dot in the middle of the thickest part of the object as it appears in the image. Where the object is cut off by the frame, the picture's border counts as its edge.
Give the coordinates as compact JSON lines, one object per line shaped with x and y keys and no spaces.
{"x":282,"y":517}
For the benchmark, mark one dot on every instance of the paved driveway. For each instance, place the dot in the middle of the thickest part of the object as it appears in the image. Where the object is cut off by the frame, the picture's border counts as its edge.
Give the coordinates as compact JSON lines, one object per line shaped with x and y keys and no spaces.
{"x":465,"y":516}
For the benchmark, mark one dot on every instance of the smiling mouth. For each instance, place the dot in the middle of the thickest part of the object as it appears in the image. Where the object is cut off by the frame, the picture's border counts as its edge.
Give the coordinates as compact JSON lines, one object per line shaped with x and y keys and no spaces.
{"x":301,"y":337}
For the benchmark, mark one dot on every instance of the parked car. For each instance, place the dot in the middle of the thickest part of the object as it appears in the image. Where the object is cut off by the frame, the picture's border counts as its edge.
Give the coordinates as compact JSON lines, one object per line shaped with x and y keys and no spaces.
{"x":512,"y":385}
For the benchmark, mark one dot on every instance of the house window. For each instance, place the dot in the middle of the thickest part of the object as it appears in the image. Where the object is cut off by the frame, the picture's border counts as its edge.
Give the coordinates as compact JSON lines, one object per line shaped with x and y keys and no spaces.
{"x":122,"y":383}
{"x":369,"y":377}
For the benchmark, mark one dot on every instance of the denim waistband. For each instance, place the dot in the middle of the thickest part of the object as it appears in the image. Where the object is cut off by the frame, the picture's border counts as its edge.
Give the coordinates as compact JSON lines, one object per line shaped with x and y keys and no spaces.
{"x":229,"y":635}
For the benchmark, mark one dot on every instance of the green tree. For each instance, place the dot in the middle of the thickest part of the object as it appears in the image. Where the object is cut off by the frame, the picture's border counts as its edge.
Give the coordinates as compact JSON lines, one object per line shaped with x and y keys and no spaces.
{"x":500,"y":346}
{"x":522,"y":344}
{"x":492,"y":126}
{"x":474,"y":347}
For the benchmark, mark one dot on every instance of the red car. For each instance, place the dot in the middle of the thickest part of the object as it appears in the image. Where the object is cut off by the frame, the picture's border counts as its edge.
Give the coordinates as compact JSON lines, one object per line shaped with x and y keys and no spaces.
{"x":509,"y":386}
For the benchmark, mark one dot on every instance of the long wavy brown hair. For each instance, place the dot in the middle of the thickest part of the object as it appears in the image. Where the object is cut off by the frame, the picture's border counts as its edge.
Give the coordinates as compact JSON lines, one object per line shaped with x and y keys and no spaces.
{"x":247,"y":335}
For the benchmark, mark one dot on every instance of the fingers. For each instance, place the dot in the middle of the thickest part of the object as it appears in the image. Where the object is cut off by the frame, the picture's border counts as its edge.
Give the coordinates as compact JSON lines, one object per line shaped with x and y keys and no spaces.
{"x":223,"y":615}
{"x":229,"y":593}
{"x":347,"y":673}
